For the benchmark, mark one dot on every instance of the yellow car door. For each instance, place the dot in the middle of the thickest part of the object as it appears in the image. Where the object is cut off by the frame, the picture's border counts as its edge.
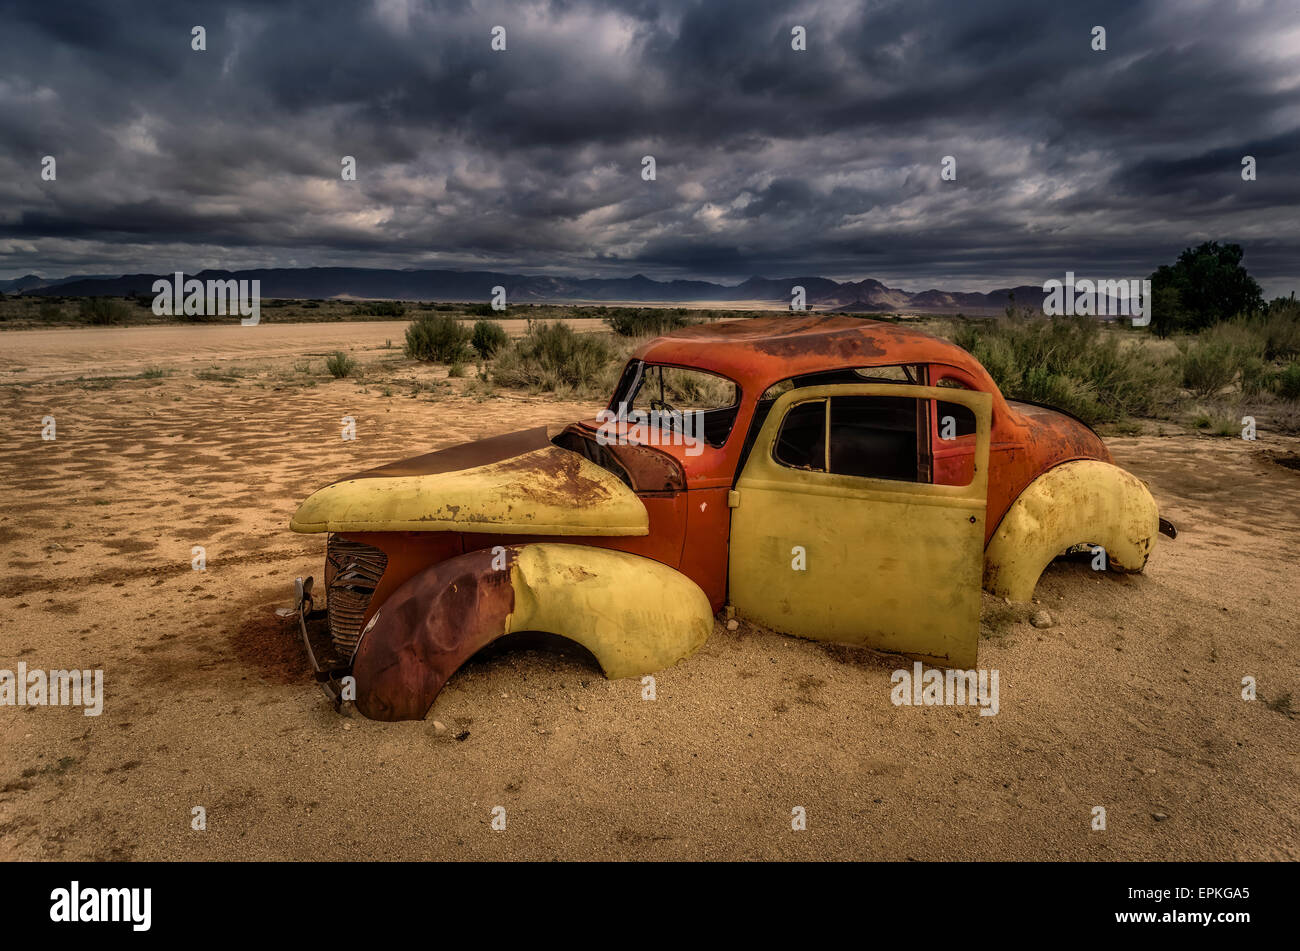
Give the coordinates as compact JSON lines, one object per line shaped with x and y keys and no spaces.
{"x":838,"y":534}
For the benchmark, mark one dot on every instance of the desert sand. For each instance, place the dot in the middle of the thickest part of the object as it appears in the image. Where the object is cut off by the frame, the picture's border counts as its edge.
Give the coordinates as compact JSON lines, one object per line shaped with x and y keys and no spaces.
{"x":1132,"y":701}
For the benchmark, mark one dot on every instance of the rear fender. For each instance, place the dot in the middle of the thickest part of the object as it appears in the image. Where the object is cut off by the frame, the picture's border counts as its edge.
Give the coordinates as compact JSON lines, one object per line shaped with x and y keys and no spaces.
{"x":1075,"y":503}
{"x":635,"y":615}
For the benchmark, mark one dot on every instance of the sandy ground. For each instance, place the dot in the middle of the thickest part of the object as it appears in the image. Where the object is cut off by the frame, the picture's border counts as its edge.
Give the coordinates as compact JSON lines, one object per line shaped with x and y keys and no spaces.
{"x":67,"y":352}
{"x":1132,"y":702}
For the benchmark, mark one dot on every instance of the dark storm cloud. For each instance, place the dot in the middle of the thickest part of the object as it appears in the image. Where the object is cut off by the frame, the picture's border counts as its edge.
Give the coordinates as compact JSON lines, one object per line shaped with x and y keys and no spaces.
{"x":770,"y":161}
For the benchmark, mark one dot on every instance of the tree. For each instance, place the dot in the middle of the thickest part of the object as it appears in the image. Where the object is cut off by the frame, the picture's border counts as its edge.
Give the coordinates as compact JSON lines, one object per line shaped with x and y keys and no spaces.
{"x":1208,"y":284}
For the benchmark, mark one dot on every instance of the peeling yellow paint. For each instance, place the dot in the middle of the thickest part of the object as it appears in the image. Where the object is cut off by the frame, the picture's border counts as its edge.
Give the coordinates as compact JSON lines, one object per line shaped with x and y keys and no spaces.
{"x":549,"y":491}
{"x":1076,"y":503}
{"x":635,"y":615}
{"x":890,"y":565}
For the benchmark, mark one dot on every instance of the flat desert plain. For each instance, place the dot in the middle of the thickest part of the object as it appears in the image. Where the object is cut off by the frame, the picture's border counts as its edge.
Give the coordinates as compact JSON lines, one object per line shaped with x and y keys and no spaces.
{"x":210,"y":436}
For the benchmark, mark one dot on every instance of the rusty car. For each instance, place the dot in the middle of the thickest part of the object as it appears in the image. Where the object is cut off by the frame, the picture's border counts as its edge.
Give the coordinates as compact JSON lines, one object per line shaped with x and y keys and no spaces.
{"x":830,"y":477}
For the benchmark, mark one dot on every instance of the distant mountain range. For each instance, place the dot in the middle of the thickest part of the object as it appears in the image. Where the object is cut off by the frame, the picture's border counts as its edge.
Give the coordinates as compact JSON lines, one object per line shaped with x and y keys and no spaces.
{"x":823,"y":294}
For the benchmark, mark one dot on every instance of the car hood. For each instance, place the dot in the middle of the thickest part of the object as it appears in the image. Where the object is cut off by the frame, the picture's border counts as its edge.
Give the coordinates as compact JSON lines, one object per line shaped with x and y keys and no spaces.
{"x":519,"y":483}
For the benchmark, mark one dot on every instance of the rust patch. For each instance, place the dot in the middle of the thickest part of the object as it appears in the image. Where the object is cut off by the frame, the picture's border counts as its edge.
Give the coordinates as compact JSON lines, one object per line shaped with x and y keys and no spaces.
{"x":431,"y":625}
{"x":645,"y":469}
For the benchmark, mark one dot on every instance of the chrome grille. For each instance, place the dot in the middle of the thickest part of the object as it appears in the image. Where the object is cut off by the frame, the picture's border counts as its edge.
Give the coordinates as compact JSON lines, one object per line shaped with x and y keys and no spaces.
{"x":351,"y":573}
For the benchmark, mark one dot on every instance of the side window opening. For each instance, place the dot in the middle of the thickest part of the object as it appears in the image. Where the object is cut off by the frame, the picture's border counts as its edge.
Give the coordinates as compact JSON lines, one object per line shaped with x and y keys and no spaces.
{"x":953,"y":420}
{"x":801,"y":442}
{"x":876,"y":437}
{"x":872,"y":437}
{"x":900,"y":373}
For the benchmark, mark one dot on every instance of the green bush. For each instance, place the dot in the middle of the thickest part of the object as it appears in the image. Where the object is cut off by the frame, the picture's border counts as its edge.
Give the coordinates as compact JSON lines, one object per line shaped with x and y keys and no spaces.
{"x":648,"y":322}
{"x":50,"y":310}
{"x":551,"y":357}
{"x":1207,"y":366}
{"x":437,"y":337}
{"x":1256,"y":379}
{"x":382,"y":308}
{"x":1288,"y":381}
{"x":101,"y":311}
{"x":482,"y":310}
{"x":1279,"y":329}
{"x":488,"y":338}
{"x":340,"y":364}
{"x":1069,"y":363}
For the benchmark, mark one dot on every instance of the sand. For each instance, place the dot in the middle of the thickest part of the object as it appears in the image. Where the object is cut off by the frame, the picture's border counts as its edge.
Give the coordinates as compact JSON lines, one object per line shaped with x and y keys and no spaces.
{"x":1132,"y":701}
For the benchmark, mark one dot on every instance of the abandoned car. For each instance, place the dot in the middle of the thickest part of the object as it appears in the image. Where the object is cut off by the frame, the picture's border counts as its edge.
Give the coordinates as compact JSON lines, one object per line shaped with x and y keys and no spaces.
{"x":829,"y":477}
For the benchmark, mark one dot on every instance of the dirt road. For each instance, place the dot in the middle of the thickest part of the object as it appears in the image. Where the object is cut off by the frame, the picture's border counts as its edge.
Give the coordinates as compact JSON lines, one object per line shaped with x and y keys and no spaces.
{"x":1132,"y":702}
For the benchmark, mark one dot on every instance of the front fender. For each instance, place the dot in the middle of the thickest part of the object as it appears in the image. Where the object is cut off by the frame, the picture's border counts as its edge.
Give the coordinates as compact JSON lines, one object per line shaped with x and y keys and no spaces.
{"x":1075,"y":503}
{"x":634,"y":614}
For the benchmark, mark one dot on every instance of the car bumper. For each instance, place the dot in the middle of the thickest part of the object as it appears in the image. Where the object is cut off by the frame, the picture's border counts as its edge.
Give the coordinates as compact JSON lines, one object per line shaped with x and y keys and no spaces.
{"x":327,"y":667}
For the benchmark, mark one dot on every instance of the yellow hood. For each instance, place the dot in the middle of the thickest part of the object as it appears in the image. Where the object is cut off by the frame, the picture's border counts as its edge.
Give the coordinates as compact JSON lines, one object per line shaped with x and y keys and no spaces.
{"x":542,"y":490}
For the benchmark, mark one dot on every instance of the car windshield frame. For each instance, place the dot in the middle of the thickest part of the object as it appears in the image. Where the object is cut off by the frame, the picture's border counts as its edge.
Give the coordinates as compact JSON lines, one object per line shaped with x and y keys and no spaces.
{"x":635,"y":375}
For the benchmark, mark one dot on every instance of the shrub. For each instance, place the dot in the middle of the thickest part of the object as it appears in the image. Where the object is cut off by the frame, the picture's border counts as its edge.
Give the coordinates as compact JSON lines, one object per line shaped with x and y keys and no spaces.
{"x":101,"y":311}
{"x":481,"y":310}
{"x":649,"y":322}
{"x":1070,"y":363}
{"x":488,"y":338}
{"x":437,"y":337}
{"x":551,"y":357}
{"x":50,"y":310}
{"x":1255,"y":377}
{"x":1288,"y":381}
{"x":382,"y":308}
{"x":1207,"y":366}
{"x":340,"y":364}
{"x":1279,"y":329}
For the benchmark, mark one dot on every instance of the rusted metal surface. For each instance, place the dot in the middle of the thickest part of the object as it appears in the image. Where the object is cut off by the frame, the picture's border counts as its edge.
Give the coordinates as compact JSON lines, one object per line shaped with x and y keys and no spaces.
{"x":646,"y":469}
{"x":352,"y":571}
{"x":633,"y":614}
{"x":429,"y":627}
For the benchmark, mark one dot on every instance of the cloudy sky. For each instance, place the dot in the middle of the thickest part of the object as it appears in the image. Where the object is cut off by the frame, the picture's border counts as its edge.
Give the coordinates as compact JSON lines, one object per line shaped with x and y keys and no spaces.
{"x":769,"y":160}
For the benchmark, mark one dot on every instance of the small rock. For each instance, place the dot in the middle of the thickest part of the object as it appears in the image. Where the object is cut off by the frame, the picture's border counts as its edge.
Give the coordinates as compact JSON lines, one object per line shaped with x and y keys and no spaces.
{"x":462,"y":736}
{"x":439,"y":727}
{"x":580,"y":708}
{"x":347,"y":726}
{"x":733,"y":624}
{"x":1041,"y":619}
{"x":1159,"y":816}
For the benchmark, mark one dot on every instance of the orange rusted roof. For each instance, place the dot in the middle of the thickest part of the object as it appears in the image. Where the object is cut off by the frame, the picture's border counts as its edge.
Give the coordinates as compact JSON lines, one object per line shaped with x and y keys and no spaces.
{"x":757,"y":352}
